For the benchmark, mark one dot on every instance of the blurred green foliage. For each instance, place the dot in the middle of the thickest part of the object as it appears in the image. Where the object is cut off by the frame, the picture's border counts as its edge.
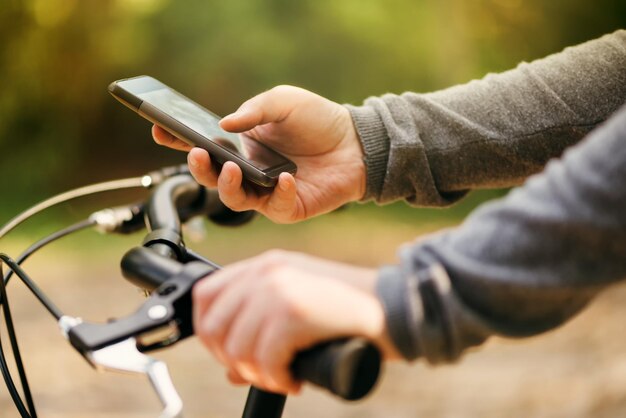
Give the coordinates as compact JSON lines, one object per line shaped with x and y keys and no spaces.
{"x":60,"y":128}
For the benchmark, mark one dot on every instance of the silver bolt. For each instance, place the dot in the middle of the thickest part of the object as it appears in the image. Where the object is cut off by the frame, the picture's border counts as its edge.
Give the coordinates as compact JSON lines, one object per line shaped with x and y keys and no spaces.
{"x":157,"y":312}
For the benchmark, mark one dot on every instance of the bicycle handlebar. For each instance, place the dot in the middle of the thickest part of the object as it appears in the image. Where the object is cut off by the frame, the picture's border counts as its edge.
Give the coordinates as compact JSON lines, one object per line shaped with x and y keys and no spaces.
{"x":347,"y":368}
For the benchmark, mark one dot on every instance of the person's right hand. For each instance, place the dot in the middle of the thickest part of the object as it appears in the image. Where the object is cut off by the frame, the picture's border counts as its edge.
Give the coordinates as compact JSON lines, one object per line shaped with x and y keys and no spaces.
{"x":315,"y":133}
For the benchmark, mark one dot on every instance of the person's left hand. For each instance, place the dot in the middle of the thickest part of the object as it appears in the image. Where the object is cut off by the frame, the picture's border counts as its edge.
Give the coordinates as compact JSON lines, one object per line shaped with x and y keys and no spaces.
{"x":256,"y":315}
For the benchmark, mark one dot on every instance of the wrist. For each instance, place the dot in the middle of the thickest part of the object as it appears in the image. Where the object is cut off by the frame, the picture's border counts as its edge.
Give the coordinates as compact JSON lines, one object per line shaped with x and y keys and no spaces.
{"x":377,"y":331}
{"x":355,"y":154}
{"x":374,"y":315}
{"x":373,"y":141}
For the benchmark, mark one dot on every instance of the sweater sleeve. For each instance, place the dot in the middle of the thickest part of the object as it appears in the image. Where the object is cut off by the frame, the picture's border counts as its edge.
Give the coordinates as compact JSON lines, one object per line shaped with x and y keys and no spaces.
{"x":431,"y":148}
{"x":521,"y":265}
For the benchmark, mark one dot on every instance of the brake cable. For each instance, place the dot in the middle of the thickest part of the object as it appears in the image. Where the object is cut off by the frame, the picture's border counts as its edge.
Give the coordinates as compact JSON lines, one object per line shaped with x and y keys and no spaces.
{"x":28,"y":410}
{"x":54,"y":311}
{"x":48,"y":240}
{"x":144,"y":181}
{"x":351,"y":357}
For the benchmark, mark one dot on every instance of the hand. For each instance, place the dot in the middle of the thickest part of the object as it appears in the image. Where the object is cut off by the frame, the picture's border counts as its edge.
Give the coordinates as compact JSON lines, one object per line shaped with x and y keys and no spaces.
{"x":315,"y":133}
{"x":257,"y":314}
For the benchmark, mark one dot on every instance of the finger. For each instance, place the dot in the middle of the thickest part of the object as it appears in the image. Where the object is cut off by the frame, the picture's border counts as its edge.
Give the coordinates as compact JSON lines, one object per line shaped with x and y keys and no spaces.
{"x":202,"y":297}
{"x":201,"y":168}
{"x":273,"y":355}
{"x":211,"y":285}
{"x":206,"y":291}
{"x":162,"y":137}
{"x":235,"y":378}
{"x":242,"y":335}
{"x":208,"y":331}
{"x":281,"y":205}
{"x":271,"y":106}
{"x":231,"y":192}
{"x":220,"y":315}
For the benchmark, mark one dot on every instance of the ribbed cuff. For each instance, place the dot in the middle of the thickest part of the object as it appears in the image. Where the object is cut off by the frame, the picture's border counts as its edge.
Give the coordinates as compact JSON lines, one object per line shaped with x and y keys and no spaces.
{"x":375,"y":144}
{"x":402,"y":308}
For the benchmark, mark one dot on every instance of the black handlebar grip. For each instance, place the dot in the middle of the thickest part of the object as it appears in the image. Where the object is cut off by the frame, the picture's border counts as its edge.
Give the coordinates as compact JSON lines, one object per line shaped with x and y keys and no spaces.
{"x":221,"y":214}
{"x":228,"y":217}
{"x":348,"y":368}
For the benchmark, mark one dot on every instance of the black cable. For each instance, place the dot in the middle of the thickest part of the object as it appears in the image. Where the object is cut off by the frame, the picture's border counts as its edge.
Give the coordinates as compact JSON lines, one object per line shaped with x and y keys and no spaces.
{"x":29,"y":410}
{"x":54,"y":311}
{"x":4,"y":369}
{"x":10,"y":328}
{"x":8,"y":379}
{"x":47,"y":240}
{"x":32,"y":286}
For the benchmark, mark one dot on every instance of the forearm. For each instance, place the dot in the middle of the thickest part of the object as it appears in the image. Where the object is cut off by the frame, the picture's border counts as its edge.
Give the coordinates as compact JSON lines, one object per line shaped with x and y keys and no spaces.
{"x":431,"y":148}
{"x":519,"y":266}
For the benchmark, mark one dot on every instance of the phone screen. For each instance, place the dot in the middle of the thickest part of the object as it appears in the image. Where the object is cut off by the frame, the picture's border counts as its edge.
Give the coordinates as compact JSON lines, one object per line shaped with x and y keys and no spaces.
{"x":206,"y":124}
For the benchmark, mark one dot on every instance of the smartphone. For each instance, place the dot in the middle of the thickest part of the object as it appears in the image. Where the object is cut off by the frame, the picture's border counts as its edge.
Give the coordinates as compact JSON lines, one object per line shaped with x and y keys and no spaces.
{"x":198,"y":127}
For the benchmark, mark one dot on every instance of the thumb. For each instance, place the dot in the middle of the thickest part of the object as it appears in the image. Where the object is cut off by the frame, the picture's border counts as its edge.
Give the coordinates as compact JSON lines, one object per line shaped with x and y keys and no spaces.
{"x":271,"y":106}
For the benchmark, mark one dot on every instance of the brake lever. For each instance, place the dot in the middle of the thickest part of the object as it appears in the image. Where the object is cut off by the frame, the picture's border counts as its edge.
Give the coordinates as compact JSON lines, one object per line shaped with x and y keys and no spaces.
{"x":162,"y":320}
{"x":126,"y":358}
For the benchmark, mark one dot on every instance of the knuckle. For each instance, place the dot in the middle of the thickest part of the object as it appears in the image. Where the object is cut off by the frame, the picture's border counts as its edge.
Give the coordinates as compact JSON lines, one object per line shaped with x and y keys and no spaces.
{"x":275,"y":257}
{"x":213,"y":330}
{"x":283,"y":90}
{"x":294,"y":311}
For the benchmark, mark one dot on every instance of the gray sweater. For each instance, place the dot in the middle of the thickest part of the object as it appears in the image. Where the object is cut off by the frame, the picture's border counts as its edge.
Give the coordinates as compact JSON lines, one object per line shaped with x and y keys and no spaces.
{"x":527,"y":263}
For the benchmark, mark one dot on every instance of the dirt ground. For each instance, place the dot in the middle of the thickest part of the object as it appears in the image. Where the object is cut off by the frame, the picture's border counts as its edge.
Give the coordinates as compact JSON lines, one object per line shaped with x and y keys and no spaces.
{"x":576,"y":371}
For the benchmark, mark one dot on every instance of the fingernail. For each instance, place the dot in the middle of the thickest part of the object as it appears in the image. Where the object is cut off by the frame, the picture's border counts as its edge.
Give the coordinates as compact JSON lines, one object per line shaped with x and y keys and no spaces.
{"x":234,"y":115}
{"x":230,"y":116}
{"x":285,"y":182}
{"x":237,"y":114}
{"x":226,"y":177}
{"x":193,"y":162}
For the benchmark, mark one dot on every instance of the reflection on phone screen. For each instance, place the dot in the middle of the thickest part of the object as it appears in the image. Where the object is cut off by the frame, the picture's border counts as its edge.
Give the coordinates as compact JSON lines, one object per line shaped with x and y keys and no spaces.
{"x":206,"y":124}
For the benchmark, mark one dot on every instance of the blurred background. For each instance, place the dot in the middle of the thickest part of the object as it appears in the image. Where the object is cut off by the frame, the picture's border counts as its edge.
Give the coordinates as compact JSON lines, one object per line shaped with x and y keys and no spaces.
{"x":59,"y":128}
